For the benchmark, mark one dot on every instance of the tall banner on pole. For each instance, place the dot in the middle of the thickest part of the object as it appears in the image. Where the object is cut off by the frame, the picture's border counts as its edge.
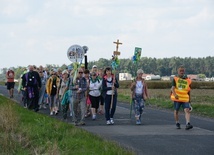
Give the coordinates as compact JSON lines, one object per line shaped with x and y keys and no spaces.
{"x":137,"y":54}
{"x":75,"y":53}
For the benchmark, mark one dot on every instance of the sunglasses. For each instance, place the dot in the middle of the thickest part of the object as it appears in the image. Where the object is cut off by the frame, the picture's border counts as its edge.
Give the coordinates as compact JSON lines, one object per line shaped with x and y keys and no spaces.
{"x":80,"y":72}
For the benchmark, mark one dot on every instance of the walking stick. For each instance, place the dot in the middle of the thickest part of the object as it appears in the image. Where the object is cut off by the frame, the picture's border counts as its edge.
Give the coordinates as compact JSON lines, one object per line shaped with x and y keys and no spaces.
{"x":112,"y":96}
{"x":131,"y":104}
{"x":115,"y":64}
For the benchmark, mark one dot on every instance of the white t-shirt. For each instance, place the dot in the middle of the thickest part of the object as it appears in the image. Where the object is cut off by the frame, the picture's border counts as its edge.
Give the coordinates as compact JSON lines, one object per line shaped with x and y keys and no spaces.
{"x":139,"y":87}
{"x":110,"y":84}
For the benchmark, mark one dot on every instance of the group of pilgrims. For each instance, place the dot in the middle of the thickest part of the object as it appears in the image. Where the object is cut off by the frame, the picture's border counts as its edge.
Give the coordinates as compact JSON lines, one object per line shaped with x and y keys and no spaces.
{"x":77,"y":93}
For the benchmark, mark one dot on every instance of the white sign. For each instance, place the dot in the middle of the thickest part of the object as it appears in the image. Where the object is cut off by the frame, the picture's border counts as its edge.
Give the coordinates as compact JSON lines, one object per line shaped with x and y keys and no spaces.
{"x":75,"y":53}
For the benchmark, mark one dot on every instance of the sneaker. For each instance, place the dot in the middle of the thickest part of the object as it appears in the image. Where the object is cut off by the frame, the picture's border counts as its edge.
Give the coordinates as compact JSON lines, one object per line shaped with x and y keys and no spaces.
{"x":100,"y":112}
{"x":56,"y":112}
{"x":75,"y":123}
{"x":71,"y":114}
{"x":111,"y":121}
{"x":44,"y":106}
{"x":138,"y":122}
{"x":178,"y":125}
{"x":108,"y":122}
{"x":93,"y":117}
{"x":188,"y":126}
{"x":81,"y":123}
{"x":36,"y":110}
{"x":51,"y":113}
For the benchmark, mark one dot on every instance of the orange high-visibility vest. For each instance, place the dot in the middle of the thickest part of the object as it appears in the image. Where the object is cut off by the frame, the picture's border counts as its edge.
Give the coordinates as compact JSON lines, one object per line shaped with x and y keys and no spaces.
{"x":182,"y":89}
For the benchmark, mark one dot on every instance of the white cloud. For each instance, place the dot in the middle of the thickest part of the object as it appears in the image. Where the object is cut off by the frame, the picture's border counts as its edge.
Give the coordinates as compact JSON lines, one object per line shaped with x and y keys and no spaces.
{"x":41,"y":29}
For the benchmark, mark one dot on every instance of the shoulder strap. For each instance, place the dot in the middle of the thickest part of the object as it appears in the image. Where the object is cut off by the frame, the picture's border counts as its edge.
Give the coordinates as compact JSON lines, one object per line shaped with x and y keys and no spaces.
{"x":26,"y":76}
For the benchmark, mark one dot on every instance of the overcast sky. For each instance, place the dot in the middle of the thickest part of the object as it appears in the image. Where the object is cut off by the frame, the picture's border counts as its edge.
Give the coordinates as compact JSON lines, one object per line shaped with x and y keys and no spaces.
{"x":40,"y":32}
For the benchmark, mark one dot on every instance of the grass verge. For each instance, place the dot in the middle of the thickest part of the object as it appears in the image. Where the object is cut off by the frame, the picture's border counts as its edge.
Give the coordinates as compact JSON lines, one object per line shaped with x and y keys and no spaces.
{"x":26,"y":132}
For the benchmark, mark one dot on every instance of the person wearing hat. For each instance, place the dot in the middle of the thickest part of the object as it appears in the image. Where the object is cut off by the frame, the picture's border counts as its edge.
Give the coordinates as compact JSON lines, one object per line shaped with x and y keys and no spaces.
{"x":94,"y":69}
{"x":94,"y":93}
{"x":139,"y":95}
{"x":10,"y":75}
{"x":63,"y":87}
{"x":69,"y":69}
{"x":78,"y":97}
{"x":52,"y":89}
{"x":83,"y":67}
{"x":31,"y":83}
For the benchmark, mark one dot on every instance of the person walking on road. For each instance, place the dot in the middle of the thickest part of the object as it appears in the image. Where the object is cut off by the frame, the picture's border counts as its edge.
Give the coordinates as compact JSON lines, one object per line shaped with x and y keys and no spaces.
{"x":31,"y":83}
{"x":52,"y":88}
{"x":180,"y":95}
{"x":78,"y":96}
{"x":10,"y":75}
{"x":139,"y":95}
{"x":109,"y":87}
{"x":94,"y":93}
{"x":63,"y":88}
{"x":42,"y":90}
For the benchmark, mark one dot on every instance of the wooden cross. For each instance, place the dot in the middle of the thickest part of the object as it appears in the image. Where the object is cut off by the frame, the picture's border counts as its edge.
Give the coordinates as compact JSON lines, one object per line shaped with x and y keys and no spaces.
{"x":117,"y":46}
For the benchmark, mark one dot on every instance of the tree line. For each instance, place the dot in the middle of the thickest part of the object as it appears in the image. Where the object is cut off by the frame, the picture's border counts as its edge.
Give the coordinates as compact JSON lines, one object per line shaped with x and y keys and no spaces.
{"x":163,"y":66}
{"x":157,"y":66}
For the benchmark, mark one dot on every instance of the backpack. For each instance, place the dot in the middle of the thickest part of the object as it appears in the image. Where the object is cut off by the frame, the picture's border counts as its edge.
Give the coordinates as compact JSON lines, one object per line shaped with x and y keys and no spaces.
{"x":65,"y":99}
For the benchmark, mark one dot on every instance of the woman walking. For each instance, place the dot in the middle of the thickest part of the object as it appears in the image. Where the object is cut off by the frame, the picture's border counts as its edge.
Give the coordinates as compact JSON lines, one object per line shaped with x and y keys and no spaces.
{"x":52,"y":88}
{"x":109,"y":87}
{"x":94,"y":93}
{"x":139,"y":95}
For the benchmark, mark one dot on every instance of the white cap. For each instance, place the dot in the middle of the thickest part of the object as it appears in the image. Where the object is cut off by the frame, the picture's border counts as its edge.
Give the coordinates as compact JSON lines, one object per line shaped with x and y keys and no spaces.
{"x":54,"y":70}
{"x":94,"y":66}
{"x":140,"y":71}
{"x":65,"y":72}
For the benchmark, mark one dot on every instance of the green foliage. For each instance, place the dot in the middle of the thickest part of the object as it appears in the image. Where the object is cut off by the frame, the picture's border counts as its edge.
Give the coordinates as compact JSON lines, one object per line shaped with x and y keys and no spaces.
{"x":205,"y":110}
{"x":201,"y":75}
{"x":163,"y":67}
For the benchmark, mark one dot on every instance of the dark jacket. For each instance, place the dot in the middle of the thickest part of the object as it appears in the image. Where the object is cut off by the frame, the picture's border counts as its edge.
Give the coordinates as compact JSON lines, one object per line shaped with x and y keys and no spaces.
{"x":31,"y":79}
{"x":104,"y":85}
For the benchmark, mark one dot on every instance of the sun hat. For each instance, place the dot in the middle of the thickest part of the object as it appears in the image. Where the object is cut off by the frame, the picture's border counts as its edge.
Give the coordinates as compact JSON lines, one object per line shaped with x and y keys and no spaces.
{"x":140,"y":71}
{"x":65,"y":72}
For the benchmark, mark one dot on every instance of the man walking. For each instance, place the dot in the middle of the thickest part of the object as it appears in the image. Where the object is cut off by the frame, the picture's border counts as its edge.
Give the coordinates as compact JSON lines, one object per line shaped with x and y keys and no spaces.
{"x":78,"y":96}
{"x":180,"y":94}
{"x":31,"y":83}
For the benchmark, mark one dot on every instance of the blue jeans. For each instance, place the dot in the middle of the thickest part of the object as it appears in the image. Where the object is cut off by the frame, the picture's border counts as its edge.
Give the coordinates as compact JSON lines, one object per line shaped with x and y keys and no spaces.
{"x":109,"y":112}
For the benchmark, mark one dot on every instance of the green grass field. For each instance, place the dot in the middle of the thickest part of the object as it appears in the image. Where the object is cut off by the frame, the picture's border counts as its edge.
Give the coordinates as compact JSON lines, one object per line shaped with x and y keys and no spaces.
{"x":23,"y":132}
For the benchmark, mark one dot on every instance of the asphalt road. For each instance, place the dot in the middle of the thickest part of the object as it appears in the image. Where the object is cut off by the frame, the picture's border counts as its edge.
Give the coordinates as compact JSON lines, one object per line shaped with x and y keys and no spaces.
{"x":156,"y":136}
